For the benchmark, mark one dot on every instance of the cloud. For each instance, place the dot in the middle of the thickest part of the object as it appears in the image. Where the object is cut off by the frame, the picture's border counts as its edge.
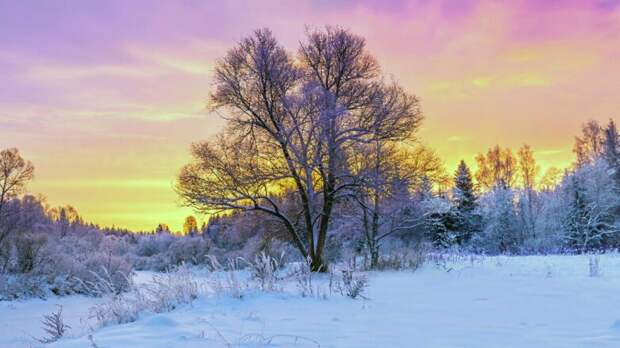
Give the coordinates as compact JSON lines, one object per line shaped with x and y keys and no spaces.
{"x":550,"y":152}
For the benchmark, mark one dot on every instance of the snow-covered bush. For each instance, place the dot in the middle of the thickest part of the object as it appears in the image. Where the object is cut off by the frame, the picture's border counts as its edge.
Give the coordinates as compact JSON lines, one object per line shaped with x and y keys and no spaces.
{"x":102,"y":274}
{"x":163,"y":293}
{"x":168,"y":290}
{"x":28,"y":248}
{"x":352,"y":284}
{"x":16,"y":286}
{"x":265,"y":271}
{"x":119,"y":309}
{"x":150,"y":245}
{"x":304,"y":279}
{"x":189,"y":250}
{"x":225,"y":279}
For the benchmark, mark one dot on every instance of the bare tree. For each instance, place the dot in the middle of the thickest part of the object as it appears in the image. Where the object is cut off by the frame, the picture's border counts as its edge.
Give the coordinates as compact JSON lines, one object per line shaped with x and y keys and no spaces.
{"x":389,"y":174}
{"x":550,"y":179}
{"x":15,"y":172}
{"x":528,"y":170}
{"x":293,"y":125}
{"x":190,"y":226}
{"x":590,"y":145}
{"x":497,"y":168}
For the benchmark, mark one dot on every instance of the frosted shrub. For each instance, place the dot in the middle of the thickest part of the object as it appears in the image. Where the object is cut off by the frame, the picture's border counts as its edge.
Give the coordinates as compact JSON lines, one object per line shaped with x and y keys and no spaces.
{"x":54,"y":327}
{"x":168,"y":290}
{"x":154,"y":244}
{"x":304,"y":277}
{"x":163,"y":293}
{"x":224,"y":279}
{"x":189,"y":250}
{"x":28,"y":251}
{"x":399,"y":260}
{"x":120,"y":309}
{"x":104,"y":274}
{"x":265,"y":271}
{"x":17,"y":286}
{"x":353,"y":285}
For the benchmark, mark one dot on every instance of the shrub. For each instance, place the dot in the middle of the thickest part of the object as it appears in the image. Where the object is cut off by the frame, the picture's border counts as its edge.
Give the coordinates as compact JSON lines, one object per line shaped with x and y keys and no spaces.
{"x":54,"y":326}
{"x":189,"y":250}
{"x":265,"y":269}
{"x":163,"y":293}
{"x":104,"y":274}
{"x":224,"y":279}
{"x":353,"y":285}
{"x":304,"y":278}
{"x":167,"y":290}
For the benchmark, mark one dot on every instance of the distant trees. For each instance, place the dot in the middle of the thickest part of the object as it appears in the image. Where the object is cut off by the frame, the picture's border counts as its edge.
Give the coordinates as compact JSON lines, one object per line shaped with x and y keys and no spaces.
{"x":65,"y":217}
{"x":592,"y":190}
{"x":591,"y":208}
{"x":589,"y":146}
{"x":15,"y":172}
{"x":498,"y":168}
{"x":550,"y":179}
{"x":190,"y":226}
{"x":293,"y":125}
{"x":162,"y":228}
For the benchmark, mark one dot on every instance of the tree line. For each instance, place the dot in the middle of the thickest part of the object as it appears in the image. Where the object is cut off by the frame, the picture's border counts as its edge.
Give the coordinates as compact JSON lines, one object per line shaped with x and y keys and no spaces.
{"x":320,"y":142}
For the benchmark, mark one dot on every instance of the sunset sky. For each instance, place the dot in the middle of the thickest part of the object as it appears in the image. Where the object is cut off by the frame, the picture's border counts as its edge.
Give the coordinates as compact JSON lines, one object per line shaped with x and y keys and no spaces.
{"x":105,"y":97}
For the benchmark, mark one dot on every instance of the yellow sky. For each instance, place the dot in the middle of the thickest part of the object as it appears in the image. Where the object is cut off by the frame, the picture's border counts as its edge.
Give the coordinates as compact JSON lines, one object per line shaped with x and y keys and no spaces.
{"x":106,"y":99}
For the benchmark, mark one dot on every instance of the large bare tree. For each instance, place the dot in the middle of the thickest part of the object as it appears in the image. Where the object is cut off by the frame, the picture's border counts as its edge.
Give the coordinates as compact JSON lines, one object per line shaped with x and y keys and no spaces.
{"x":15,"y":172}
{"x":294,"y":122}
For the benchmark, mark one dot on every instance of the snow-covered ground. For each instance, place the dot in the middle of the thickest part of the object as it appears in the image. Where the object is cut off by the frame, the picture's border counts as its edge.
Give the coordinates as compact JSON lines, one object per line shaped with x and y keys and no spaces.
{"x":534,"y":301}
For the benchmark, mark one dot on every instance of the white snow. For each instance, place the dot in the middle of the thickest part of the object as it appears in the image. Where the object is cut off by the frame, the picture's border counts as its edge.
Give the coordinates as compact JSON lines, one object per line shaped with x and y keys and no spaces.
{"x":533,"y":301}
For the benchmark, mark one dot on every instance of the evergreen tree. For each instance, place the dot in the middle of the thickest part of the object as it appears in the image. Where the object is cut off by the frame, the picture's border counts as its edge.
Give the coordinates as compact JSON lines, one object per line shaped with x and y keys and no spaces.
{"x":579,"y":230}
{"x":465,"y":202}
{"x":440,"y":222}
{"x":611,"y":151}
{"x":63,"y":222}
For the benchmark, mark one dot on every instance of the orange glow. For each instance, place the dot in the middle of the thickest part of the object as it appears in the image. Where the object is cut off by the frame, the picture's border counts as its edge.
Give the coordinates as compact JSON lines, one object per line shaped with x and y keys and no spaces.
{"x":106,"y":105}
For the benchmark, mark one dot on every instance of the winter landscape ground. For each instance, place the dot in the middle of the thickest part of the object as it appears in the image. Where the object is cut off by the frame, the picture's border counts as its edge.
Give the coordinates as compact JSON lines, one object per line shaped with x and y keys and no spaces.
{"x":477,"y":301}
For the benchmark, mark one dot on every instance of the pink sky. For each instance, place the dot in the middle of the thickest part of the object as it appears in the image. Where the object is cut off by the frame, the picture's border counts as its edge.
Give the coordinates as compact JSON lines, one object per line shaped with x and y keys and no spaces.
{"x":105,"y":97}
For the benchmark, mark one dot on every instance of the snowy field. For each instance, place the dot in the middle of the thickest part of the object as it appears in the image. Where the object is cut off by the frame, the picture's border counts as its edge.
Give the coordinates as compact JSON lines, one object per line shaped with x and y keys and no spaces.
{"x":535,"y":301}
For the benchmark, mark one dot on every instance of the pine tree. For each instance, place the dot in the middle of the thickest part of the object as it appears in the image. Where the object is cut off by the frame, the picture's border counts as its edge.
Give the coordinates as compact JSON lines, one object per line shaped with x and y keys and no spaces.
{"x":579,"y":231}
{"x":465,"y":201}
{"x":440,"y":222}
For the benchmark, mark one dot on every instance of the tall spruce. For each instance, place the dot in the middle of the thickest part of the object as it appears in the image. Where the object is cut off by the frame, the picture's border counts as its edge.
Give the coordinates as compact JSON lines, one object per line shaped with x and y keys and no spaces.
{"x":465,"y":201}
{"x":611,"y":149}
{"x":580,"y":233}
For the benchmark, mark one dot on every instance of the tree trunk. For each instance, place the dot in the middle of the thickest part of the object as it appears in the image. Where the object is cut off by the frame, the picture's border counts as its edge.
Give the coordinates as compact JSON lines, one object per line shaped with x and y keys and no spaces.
{"x":318,"y":264}
{"x":374,"y":257}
